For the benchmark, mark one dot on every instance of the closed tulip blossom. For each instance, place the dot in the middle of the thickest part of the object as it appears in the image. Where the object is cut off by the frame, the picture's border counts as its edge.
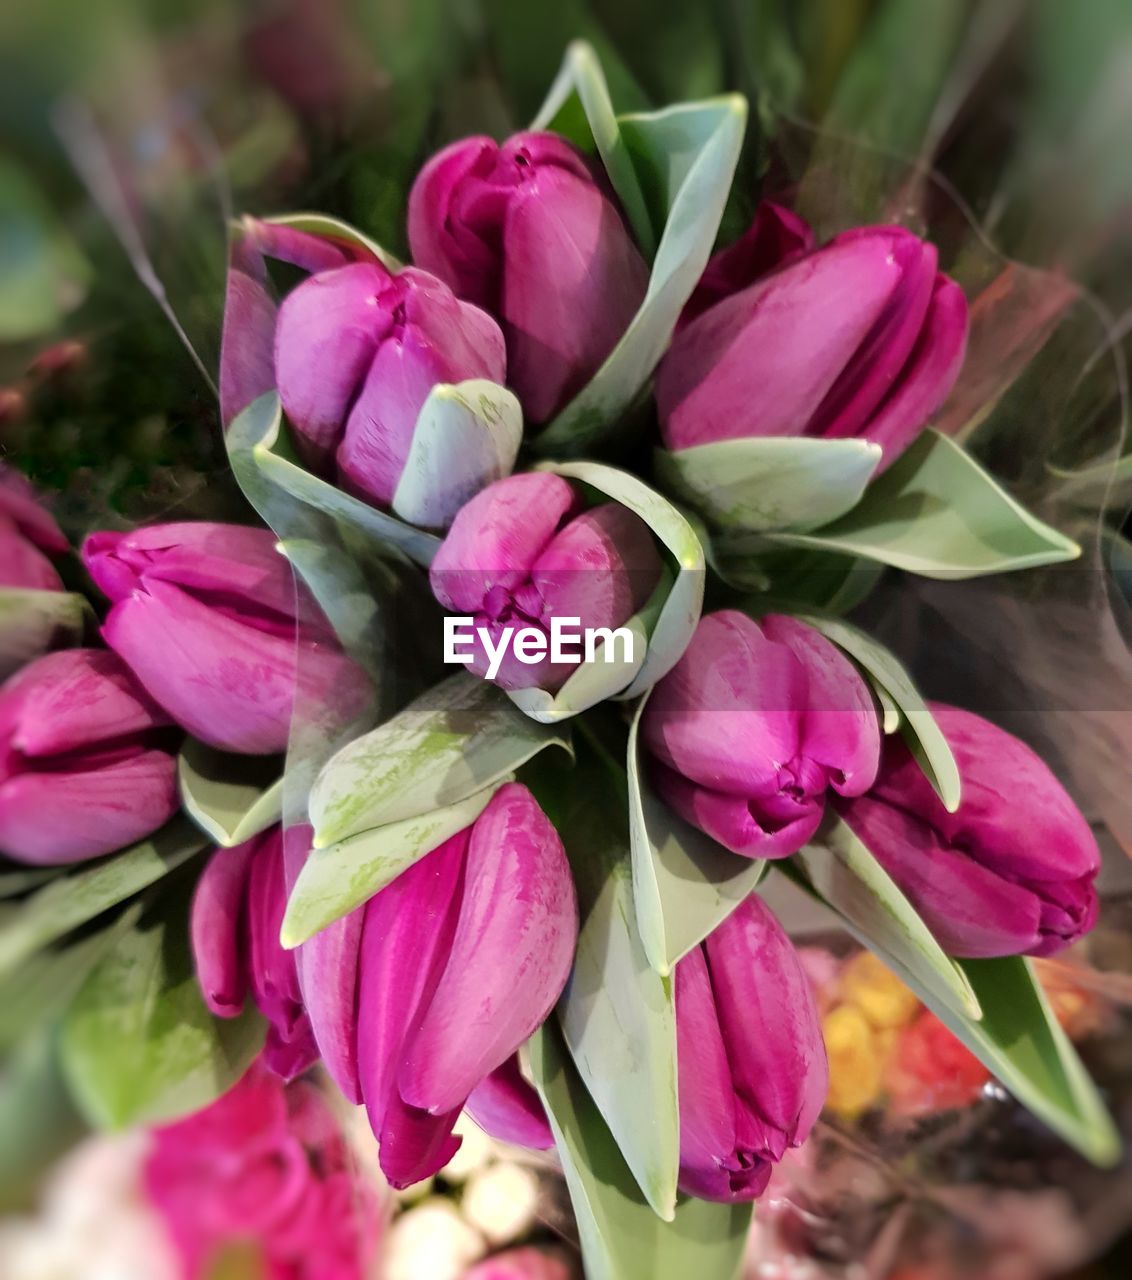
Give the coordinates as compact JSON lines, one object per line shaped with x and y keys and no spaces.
{"x":524,"y":551}
{"x":524,"y":230}
{"x":357,"y":351}
{"x":29,"y":536}
{"x":863,"y":337}
{"x":1011,"y":871}
{"x":87,"y":761}
{"x":752,"y":1064}
{"x":236,"y":916}
{"x":205,"y":616}
{"x":419,"y":1008}
{"x":752,"y":728}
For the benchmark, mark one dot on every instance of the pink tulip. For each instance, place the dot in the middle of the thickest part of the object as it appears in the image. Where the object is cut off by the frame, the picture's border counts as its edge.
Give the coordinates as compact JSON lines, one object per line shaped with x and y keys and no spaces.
{"x":454,"y":966}
{"x":1011,"y":871}
{"x":524,"y":231}
{"x":752,"y":727}
{"x":522,"y":1264}
{"x":522,"y":552}
{"x":236,"y":916}
{"x":752,"y":1064}
{"x":28,"y":536}
{"x":863,"y":337}
{"x":87,"y":760}
{"x":357,"y":351}
{"x":205,"y":616}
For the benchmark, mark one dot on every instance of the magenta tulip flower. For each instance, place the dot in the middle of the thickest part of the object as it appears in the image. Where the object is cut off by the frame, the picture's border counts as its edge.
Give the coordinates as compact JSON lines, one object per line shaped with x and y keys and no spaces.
{"x":28,"y":536}
{"x":357,"y":351}
{"x":1011,"y":871}
{"x":522,"y":552}
{"x":87,"y":759}
{"x":525,"y":231}
{"x":236,"y":916}
{"x":205,"y":616}
{"x":863,"y":338}
{"x":752,"y":1065}
{"x":419,"y":1007}
{"x":753,"y":726}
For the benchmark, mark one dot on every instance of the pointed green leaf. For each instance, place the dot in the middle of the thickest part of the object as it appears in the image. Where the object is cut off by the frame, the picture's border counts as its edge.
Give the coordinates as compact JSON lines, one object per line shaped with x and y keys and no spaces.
{"x":578,"y":106}
{"x":138,"y":1045}
{"x":34,"y":622}
{"x":451,"y":743}
{"x":73,"y":898}
{"x":779,"y":482}
{"x":684,"y":883}
{"x":467,"y":435}
{"x":621,"y":1237}
{"x":339,"y":877}
{"x":684,"y":158}
{"x":617,"y":1013}
{"x":320,"y":224}
{"x":847,"y":877}
{"x":937,"y":513}
{"x":903,"y":706}
{"x":231,"y":798}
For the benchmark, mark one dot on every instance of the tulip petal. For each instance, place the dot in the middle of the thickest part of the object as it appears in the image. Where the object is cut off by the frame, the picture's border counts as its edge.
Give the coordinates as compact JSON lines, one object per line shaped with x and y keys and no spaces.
{"x":414,"y":1144}
{"x":20,"y":504}
{"x":508,"y":1108}
{"x":229,"y":684}
{"x":22,"y":564}
{"x":328,"y":975}
{"x":216,"y":929}
{"x":707,"y":1119}
{"x":246,"y":368}
{"x":509,"y":959}
{"x":59,"y":817}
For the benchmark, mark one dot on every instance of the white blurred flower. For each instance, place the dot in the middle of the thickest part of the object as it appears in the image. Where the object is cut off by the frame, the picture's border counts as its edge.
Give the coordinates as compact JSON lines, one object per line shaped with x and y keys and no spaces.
{"x":430,"y":1240}
{"x":502,"y":1201}
{"x":476,"y":1151}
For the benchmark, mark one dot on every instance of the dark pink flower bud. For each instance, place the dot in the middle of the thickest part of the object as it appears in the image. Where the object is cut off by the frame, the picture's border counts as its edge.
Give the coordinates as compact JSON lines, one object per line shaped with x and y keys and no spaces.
{"x":1011,"y":871}
{"x":524,"y":231}
{"x":28,"y":536}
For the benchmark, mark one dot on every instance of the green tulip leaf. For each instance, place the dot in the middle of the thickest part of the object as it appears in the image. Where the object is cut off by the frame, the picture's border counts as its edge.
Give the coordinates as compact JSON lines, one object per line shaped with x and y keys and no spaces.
{"x":840,"y":868}
{"x":621,"y":1237}
{"x":467,"y":435}
{"x":319,"y":224}
{"x":778,"y":482}
{"x":617,"y":1014}
{"x":34,"y":622}
{"x":684,"y":883}
{"x":16,"y":880}
{"x":902,"y":705}
{"x":231,"y":798}
{"x":663,"y":628}
{"x":337,"y":878}
{"x":578,"y":107}
{"x":137,"y":1044}
{"x":77,"y":896}
{"x":269,"y":473}
{"x":451,"y":743}
{"x":937,"y":513}
{"x":684,"y":159}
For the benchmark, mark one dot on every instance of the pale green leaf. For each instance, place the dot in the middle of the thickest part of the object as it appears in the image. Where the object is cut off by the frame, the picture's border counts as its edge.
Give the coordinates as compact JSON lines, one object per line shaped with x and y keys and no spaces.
{"x":466,"y":436}
{"x":777,"y":482}
{"x":621,"y":1237}
{"x":320,"y":224}
{"x":937,"y":513}
{"x":684,"y":883}
{"x":231,"y":798}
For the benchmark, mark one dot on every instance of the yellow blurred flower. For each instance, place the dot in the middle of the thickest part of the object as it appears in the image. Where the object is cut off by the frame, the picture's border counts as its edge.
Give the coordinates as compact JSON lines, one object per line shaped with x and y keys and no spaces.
{"x":883,"y":999}
{"x":856,"y":1060}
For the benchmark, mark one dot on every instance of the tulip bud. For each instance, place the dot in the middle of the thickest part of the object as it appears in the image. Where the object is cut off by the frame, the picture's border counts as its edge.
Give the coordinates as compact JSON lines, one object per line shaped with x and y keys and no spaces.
{"x":861,"y":338}
{"x":525,"y":232}
{"x":752,"y":727}
{"x":205,"y":616}
{"x":1011,"y":871}
{"x":28,"y":535}
{"x":522,"y":552}
{"x":752,"y":1065}
{"x":357,"y":351}
{"x":236,"y":916}
{"x":86,"y":759}
{"x":456,"y":963}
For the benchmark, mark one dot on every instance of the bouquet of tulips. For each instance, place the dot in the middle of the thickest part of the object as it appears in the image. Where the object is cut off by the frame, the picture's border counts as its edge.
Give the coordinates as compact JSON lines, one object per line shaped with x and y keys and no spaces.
{"x":522,"y":676}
